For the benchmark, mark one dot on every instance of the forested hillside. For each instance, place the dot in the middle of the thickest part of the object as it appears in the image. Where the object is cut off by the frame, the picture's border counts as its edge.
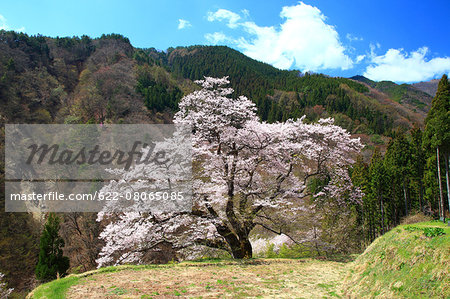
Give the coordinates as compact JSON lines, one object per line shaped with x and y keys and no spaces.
{"x":280,"y":95}
{"x":107,"y":80}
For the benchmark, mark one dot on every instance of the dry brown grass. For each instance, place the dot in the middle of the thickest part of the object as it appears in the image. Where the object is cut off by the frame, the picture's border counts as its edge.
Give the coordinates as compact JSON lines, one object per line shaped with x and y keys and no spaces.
{"x":416,"y":218}
{"x":275,"y":278}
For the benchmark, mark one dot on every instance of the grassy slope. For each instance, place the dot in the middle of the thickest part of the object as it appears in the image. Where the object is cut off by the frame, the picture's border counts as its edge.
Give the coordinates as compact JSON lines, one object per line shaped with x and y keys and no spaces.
{"x":403,"y":263}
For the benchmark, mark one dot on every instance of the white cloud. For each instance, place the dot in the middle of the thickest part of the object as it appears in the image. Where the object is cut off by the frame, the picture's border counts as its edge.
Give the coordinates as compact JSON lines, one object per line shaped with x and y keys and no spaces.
{"x":4,"y":25}
{"x":360,"y":58}
{"x":353,"y":38}
{"x":399,"y":66}
{"x":223,"y":14}
{"x":183,"y":24}
{"x":373,"y":47}
{"x":303,"y":41}
{"x":216,"y":38}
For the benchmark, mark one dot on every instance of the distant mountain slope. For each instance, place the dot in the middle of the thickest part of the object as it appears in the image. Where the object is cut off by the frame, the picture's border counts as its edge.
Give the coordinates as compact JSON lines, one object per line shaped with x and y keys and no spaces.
{"x":405,"y":94}
{"x":282,"y":94}
{"x":430,"y":87}
{"x":68,"y":80}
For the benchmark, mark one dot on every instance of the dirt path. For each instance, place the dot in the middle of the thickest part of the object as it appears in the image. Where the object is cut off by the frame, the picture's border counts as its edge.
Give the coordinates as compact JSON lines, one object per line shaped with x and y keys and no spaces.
{"x":262,"y":278}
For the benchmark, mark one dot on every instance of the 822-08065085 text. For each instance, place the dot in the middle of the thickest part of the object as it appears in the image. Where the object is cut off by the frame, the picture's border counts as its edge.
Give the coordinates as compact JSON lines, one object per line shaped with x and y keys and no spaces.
{"x":56,"y":196}
{"x":160,"y":195}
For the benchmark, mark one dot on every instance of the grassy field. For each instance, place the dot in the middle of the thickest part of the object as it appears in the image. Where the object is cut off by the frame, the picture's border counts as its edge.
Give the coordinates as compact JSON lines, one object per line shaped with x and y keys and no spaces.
{"x":411,"y":261}
{"x":280,"y":278}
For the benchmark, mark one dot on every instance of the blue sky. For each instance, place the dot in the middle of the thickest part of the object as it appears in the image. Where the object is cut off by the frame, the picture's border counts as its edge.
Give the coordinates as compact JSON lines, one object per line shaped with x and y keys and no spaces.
{"x":402,"y":41}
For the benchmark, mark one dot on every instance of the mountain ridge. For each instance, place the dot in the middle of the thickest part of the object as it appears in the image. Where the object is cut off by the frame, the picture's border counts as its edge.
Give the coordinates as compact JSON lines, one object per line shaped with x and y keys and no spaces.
{"x":80,"y":79}
{"x":430,"y":87}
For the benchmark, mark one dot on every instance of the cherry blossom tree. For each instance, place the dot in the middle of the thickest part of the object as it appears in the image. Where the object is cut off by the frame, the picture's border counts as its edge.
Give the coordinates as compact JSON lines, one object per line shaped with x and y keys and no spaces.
{"x":245,"y":171}
{"x":4,"y":290}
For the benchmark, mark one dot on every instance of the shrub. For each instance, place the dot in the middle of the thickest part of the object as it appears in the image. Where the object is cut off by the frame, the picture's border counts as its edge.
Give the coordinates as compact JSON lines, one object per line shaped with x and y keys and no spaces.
{"x":433,"y":231}
{"x":427,"y":231}
{"x":416,"y":218}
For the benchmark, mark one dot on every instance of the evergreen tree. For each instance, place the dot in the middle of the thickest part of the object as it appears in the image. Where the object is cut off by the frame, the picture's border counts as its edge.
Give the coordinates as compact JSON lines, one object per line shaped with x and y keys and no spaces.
{"x":360,"y":178}
{"x":431,"y":190}
{"x":51,"y":260}
{"x":417,"y":165}
{"x":378,"y":184}
{"x":437,"y":134}
{"x":398,"y":164}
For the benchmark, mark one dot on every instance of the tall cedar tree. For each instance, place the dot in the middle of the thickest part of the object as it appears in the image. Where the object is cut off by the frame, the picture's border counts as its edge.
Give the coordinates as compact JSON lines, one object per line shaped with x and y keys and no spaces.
{"x":51,"y":259}
{"x":360,"y":178}
{"x":437,"y":133}
{"x":417,"y":165}
{"x":378,"y":183}
{"x":397,"y":162}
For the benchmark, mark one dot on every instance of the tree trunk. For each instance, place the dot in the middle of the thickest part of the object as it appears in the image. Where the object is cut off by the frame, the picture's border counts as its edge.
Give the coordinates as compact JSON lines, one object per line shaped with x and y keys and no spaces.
{"x":315,"y":242}
{"x":372,"y":227}
{"x":382,"y":214}
{"x":363,"y":223}
{"x":406,"y":199}
{"x":422,"y":206}
{"x":243,"y":250}
{"x":448,"y":183}
{"x":441,"y":196}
